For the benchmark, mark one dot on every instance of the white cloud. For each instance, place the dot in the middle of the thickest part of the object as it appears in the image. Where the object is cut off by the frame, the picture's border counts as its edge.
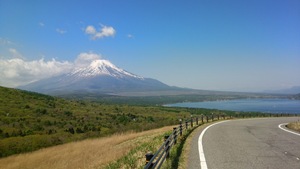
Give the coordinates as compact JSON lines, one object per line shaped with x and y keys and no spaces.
{"x":41,"y":24}
{"x":90,"y":30}
{"x":130,"y":36}
{"x":84,"y":59}
{"x":5,"y":42}
{"x":61,"y":31}
{"x":17,"y":71}
{"x":105,"y":31}
{"x":15,"y":53}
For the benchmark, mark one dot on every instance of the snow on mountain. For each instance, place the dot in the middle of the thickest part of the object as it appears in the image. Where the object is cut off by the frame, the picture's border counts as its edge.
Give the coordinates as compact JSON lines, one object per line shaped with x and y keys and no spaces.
{"x":102,"y":67}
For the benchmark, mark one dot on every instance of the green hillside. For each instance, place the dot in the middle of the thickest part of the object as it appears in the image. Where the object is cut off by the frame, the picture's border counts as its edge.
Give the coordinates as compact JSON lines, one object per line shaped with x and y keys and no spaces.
{"x":29,"y":121}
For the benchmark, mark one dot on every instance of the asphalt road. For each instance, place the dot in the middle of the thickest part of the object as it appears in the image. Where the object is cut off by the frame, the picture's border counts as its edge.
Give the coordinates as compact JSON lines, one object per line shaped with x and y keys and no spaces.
{"x":247,"y":144}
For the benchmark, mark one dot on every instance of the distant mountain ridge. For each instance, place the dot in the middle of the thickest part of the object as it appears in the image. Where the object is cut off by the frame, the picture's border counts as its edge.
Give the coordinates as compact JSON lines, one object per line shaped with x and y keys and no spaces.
{"x":101,"y":76}
{"x":292,"y":90}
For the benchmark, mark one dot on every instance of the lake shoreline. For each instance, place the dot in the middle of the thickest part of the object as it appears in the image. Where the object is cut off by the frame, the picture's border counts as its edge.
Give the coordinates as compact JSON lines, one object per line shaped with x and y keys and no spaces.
{"x":270,"y":105}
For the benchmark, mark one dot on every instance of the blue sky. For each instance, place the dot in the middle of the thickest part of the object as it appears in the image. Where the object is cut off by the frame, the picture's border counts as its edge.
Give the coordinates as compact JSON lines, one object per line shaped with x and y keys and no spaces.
{"x":233,"y":45}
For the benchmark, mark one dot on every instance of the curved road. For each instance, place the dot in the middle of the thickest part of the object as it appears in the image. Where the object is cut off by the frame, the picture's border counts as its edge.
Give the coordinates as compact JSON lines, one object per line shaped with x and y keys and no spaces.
{"x":247,"y":144}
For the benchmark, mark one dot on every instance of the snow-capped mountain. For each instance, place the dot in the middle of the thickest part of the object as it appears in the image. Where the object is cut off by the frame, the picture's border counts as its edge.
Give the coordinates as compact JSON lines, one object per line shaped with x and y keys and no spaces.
{"x":101,"y":76}
{"x":102,"y":67}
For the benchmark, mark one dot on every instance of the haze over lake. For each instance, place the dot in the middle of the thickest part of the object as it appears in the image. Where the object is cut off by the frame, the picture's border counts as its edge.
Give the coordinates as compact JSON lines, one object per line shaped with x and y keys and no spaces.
{"x":247,"y":105}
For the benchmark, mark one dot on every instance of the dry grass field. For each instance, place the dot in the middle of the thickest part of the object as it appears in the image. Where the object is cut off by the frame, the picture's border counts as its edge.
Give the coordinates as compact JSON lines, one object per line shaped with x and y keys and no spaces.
{"x":294,"y":126}
{"x":87,"y":154}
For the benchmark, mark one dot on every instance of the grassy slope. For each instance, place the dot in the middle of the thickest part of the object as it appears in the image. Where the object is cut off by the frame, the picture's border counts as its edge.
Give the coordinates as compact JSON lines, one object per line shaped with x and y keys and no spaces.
{"x":30,"y":121}
{"x":92,"y":153}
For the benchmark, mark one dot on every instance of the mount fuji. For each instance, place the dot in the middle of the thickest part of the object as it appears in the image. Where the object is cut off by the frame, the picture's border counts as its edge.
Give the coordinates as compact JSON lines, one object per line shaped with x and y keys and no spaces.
{"x":100,"y":77}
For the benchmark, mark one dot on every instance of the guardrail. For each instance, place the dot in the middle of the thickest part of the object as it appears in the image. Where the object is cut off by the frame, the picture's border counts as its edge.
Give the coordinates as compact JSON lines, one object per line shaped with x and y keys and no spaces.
{"x":156,"y":160}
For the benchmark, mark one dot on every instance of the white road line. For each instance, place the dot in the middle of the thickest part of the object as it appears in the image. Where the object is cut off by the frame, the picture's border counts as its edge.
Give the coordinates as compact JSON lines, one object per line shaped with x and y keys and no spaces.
{"x":280,"y":126}
{"x":200,"y":146}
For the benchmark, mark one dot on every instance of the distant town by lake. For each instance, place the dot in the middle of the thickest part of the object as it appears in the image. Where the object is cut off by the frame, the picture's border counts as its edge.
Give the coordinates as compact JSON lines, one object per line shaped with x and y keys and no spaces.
{"x":285,"y":106}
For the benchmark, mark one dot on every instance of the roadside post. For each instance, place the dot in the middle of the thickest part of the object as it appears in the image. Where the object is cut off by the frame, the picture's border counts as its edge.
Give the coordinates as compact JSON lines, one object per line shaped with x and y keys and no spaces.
{"x":175,"y":134}
{"x":167,"y":146}
{"x":180,"y":127}
{"x":149,"y":156}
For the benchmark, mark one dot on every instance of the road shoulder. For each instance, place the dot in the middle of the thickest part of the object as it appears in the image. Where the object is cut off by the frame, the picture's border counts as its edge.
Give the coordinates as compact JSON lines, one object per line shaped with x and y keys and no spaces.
{"x":190,"y":158}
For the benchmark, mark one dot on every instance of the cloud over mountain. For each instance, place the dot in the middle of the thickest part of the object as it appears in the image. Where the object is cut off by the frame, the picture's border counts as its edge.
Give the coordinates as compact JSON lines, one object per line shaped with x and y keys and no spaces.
{"x":15,"y":72}
{"x":84,"y":59}
{"x":18,"y":71}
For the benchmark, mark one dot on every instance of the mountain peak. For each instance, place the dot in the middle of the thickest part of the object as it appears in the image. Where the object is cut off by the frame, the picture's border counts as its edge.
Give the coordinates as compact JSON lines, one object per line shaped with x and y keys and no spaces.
{"x":101,"y":62}
{"x":102,"y":67}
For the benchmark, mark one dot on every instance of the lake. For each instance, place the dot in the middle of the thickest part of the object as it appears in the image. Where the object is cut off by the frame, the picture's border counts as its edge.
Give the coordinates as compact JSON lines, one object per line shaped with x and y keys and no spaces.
{"x":247,"y":105}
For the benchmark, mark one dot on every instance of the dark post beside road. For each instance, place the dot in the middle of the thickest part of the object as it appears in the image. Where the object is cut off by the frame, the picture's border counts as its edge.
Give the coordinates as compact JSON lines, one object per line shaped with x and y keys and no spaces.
{"x":167,"y":146}
{"x":149,"y":155}
{"x":175,"y":134}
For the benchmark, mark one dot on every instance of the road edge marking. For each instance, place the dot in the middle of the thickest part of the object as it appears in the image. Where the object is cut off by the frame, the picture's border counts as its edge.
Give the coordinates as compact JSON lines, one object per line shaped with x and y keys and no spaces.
{"x":280,"y":126}
{"x":200,"y":145}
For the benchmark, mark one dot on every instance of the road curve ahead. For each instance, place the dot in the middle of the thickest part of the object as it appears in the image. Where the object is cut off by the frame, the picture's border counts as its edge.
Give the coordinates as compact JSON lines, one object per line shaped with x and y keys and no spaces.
{"x":251,"y":143}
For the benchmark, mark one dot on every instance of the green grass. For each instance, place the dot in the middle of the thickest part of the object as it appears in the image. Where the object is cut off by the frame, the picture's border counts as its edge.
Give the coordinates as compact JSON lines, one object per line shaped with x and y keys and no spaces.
{"x":175,"y":153}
